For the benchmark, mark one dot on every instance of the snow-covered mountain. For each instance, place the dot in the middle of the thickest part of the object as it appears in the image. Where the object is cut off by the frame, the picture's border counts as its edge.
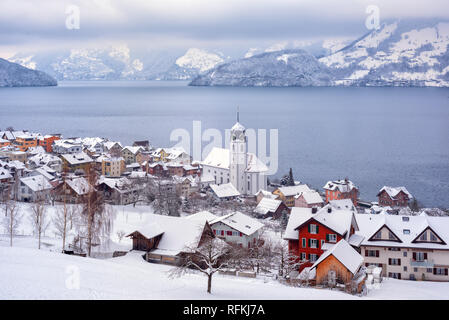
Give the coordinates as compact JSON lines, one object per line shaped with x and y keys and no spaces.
{"x":192,"y":63}
{"x":15,"y":75}
{"x":402,"y":53}
{"x":293,"y":67}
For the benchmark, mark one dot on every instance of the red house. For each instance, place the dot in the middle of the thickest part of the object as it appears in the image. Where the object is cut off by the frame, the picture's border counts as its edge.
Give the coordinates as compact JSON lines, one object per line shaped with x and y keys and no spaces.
{"x":48,"y":140}
{"x":341,"y":189}
{"x":311,"y":231}
{"x":394,"y":197}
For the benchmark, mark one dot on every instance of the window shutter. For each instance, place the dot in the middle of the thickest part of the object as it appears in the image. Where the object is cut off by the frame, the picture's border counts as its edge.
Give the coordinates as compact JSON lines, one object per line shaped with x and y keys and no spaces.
{"x":308,"y":228}
{"x":327,"y":237}
{"x":399,"y":260}
{"x":445,"y":271}
{"x":389,"y":261}
{"x":366,"y":253}
{"x":425,"y":255}
{"x":309,"y":242}
{"x":414,"y":256}
{"x":377,"y":253}
{"x":316,"y":228}
{"x":434,"y":270}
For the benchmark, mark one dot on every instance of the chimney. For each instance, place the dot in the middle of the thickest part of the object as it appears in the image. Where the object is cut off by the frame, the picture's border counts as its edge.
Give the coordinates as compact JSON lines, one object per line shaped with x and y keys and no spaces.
{"x":329,"y":210}
{"x":314,"y":209}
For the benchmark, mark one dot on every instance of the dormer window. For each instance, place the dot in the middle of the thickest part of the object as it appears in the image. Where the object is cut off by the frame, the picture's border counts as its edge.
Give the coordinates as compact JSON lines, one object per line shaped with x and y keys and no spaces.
{"x":423,"y":237}
{"x":406,"y":231}
{"x":405,"y":219}
{"x":378,"y":235}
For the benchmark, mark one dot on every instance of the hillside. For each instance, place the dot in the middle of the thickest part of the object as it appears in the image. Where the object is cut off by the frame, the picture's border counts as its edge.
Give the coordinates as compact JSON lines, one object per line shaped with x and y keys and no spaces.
{"x":15,"y":75}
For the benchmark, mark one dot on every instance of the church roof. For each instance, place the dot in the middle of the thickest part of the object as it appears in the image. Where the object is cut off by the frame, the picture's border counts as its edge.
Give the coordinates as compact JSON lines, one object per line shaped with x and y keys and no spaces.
{"x":220,"y":158}
{"x":238,"y":126}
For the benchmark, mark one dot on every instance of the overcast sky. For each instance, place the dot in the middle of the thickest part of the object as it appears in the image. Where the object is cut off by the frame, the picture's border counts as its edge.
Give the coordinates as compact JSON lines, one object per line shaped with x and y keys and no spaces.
{"x":31,"y":25}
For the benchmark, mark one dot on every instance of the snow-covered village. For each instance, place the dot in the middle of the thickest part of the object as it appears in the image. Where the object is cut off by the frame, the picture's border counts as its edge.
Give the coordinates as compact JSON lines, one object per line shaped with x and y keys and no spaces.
{"x":89,"y":218}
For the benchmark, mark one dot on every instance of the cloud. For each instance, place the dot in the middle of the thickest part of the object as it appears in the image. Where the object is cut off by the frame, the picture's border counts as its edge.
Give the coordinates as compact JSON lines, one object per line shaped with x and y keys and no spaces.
{"x":42,"y":23}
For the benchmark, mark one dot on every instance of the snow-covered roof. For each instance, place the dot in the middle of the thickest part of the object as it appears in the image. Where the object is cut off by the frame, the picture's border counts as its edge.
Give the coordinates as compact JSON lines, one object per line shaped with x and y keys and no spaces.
{"x":80,"y":185}
{"x":240,"y":222}
{"x":109,"y":144}
{"x":394,"y":191}
{"x":44,"y":173}
{"x":369,"y":224}
{"x":220,"y":158}
{"x":5,"y":174}
{"x":266,"y":194}
{"x":202,"y":216}
{"x":311,"y":197}
{"x":36,"y":183}
{"x":267,"y":205}
{"x":294,"y":190}
{"x":238,"y":127}
{"x":342,"y":185}
{"x":77,"y":158}
{"x":342,"y":204}
{"x":178,"y":233}
{"x":224,"y":190}
{"x":133,"y":150}
{"x":344,"y":253}
{"x":337,"y":220}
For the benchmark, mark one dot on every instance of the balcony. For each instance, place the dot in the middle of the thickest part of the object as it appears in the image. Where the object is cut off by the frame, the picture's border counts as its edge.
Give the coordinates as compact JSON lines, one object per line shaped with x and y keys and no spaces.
{"x":422,"y":264}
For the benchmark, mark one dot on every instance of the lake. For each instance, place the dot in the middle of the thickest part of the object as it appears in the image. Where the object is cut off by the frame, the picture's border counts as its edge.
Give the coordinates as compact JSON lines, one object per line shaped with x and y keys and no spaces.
{"x":373,"y":136}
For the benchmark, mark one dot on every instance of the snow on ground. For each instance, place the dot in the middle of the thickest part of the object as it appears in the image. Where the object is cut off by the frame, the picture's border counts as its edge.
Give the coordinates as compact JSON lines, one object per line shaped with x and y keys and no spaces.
{"x":28,"y":273}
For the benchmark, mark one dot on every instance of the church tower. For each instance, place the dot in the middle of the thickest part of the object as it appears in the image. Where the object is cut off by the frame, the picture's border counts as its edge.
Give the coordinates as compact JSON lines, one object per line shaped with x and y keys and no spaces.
{"x":238,"y":157}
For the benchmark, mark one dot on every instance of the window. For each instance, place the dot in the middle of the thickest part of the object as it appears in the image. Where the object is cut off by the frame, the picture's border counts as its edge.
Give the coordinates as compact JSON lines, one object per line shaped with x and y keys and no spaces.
{"x":378,"y":235}
{"x":433,"y":237}
{"x":371,"y":253}
{"x":405,"y":268}
{"x":440,"y":271}
{"x":304,"y":243}
{"x":332,"y":238}
{"x":313,"y":243}
{"x":405,"y":253}
{"x":313,"y":257}
{"x":303,"y":256}
{"x":394,"y":262}
{"x":405,"y":219}
{"x":313,"y":228}
{"x":406,"y":231}
{"x":429,"y":270}
{"x":423,"y":237}
{"x":391,"y":236}
{"x":394,"y":249}
{"x":415,"y":269}
{"x":420,"y":256}
{"x":322,"y":242}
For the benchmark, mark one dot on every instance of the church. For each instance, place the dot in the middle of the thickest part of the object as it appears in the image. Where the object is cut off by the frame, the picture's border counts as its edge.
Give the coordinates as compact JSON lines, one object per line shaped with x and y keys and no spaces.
{"x":235,"y":165}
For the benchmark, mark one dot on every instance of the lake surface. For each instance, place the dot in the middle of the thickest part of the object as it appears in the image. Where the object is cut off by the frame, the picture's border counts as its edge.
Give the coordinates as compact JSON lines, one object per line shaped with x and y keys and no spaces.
{"x":374,"y":136}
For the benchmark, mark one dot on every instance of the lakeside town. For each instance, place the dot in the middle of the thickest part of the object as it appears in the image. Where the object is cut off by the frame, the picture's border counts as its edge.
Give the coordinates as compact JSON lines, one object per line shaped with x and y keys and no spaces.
{"x":220,"y":215}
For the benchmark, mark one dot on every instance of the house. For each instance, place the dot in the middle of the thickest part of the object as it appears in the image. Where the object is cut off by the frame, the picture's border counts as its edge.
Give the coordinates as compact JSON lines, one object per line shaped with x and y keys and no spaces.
{"x":47,"y":141}
{"x":271,"y":208}
{"x":145,"y":144}
{"x":175,"y":169}
{"x":119,"y":191}
{"x":4,"y":142}
{"x":237,"y":228}
{"x":45,"y":159}
{"x":287,"y":194}
{"x":167,"y":239}
{"x":394,"y":196}
{"x":64,"y":146}
{"x":113,"y":148}
{"x":244,"y":170}
{"x":130,"y":153}
{"x":25,"y":141}
{"x":185,"y":186}
{"x":309,"y":199}
{"x":264,"y":194}
{"x":340,"y":264}
{"x":225,"y":191}
{"x":34,"y":188}
{"x":5,"y":176}
{"x":406,"y":247}
{"x":77,"y":161}
{"x":157,"y":169}
{"x":73,"y":190}
{"x":341,"y":189}
{"x":310,"y":231}
{"x":113,"y":167}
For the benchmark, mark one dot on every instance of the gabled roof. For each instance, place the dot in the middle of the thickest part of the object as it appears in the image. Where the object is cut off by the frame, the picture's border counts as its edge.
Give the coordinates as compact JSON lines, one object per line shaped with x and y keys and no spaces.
{"x":311,"y":197}
{"x":5,"y":174}
{"x":220,"y":158}
{"x":37,"y":183}
{"x":394,"y":191}
{"x":80,"y":185}
{"x":344,"y":253}
{"x":77,"y":158}
{"x":224,"y":190}
{"x":339,"y":221}
{"x":133,"y":150}
{"x":415,"y":225}
{"x":240,"y":222}
{"x":294,"y":190}
{"x":202,"y":216}
{"x":341,"y":185}
{"x":267,"y":205}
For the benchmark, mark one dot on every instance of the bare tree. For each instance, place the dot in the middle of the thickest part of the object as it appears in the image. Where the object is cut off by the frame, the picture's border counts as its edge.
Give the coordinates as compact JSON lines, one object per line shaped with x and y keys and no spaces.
{"x":12,"y":218}
{"x":211,"y":256}
{"x":39,"y":218}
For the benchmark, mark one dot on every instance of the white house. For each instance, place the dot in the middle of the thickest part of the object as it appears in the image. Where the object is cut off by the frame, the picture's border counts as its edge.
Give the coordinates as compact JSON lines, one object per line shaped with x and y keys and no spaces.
{"x":33,"y":188}
{"x":235,"y":165}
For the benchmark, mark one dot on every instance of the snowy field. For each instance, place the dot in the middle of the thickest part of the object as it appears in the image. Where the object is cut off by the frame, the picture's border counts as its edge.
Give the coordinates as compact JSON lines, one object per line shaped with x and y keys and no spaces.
{"x":28,"y":273}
